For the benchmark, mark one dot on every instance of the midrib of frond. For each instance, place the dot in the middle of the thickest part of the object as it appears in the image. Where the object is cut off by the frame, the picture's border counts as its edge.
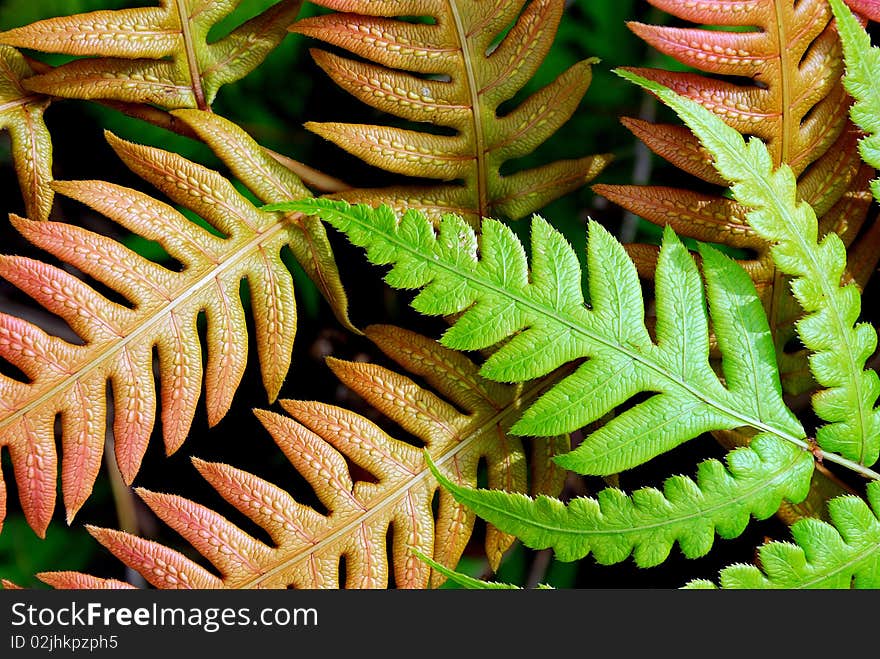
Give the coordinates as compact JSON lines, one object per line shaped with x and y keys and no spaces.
{"x":476,"y":113}
{"x":108,"y":352}
{"x":395,"y":494}
{"x":192,"y":63}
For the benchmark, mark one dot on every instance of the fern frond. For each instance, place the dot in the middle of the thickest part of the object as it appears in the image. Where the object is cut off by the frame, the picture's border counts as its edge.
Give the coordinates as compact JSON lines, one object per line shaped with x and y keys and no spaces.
{"x":843,"y":554}
{"x":160,"y":313}
{"x":862,"y":66}
{"x":466,"y":426}
{"x":647,"y":523}
{"x":840,"y":346}
{"x":779,"y":80}
{"x":21,"y":114}
{"x":544,"y":313}
{"x":454,"y":71}
{"x":154,"y":55}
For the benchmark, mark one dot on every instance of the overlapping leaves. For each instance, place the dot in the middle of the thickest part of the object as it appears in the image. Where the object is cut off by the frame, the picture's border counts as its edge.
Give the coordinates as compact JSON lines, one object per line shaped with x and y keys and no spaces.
{"x":779,"y":80}
{"x":159,"y":313}
{"x":453,"y":69}
{"x":464,"y":425}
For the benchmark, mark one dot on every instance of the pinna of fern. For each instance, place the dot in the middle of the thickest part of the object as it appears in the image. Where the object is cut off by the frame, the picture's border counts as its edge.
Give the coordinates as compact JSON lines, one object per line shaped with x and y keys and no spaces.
{"x":160,"y":312}
{"x":453,"y":70}
{"x":157,"y":55}
{"x":779,"y":80}
{"x":543,"y":312}
{"x":464,"y":425}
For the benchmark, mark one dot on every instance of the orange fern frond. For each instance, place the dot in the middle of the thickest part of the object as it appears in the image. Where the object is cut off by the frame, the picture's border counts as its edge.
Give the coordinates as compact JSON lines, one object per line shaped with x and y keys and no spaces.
{"x":453,"y":70}
{"x":464,"y":428}
{"x":154,"y":55}
{"x":160,"y":313}
{"x":21,"y":113}
{"x":794,"y":100}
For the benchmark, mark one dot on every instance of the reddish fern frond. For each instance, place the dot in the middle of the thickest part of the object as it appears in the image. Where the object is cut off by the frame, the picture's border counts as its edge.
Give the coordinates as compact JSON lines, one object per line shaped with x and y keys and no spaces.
{"x":21,"y":113}
{"x":795,"y":102}
{"x":870,"y":9}
{"x":159,"y":314}
{"x":463,"y":424}
{"x":154,"y":55}
{"x":453,"y":70}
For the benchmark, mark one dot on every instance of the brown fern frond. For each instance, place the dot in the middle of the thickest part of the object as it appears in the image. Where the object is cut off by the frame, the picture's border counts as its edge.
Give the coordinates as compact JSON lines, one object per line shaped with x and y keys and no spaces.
{"x":154,"y":55}
{"x":453,"y":70}
{"x":160,"y":313}
{"x":779,"y":80}
{"x":21,"y":113}
{"x":463,"y":428}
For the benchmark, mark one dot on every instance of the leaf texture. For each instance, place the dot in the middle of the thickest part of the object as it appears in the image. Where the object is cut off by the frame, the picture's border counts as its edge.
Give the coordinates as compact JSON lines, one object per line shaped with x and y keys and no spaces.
{"x":842,"y":554}
{"x":779,"y":80}
{"x":157,"y":55}
{"x":21,"y":114}
{"x":839,"y":344}
{"x":487,"y":281}
{"x":160,"y":313}
{"x":454,"y":70}
{"x":461,"y":427}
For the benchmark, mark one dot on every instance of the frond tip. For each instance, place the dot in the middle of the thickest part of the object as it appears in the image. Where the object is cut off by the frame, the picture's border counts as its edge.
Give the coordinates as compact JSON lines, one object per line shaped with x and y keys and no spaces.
{"x":842,"y":554}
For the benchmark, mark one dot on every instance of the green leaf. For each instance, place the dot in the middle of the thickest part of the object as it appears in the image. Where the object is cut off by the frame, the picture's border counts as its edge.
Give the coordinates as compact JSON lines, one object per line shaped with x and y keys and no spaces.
{"x":543,"y":314}
{"x":839,"y":344}
{"x":862,"y":66}
{"x":843,"y":554}
{"x":647,"y":523}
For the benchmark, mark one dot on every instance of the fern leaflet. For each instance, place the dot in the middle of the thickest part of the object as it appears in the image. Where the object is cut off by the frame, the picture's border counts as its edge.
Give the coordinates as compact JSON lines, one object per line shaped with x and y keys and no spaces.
{"x":840,"y":346}
{"x":157,"y":55}
{"x":454,"y":70}
{"x":544,"y":313}
{"x":844,"y":554}
{"x":21,"y":113}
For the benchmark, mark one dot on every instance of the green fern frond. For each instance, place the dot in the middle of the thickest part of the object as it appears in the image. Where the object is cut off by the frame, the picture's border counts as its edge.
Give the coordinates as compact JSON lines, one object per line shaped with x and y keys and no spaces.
{"x":844,"y":554}
{"x":649,"y":522}
{"x":840,"y":346}
{"x":862,"y":66}
{"x":544,"y":313}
